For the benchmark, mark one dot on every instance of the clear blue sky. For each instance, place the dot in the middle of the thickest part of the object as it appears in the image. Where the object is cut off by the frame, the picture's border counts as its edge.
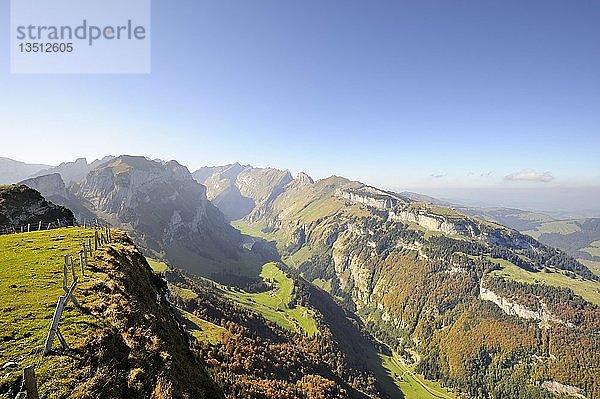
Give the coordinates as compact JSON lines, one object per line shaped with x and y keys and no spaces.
{"x":398,"y":94}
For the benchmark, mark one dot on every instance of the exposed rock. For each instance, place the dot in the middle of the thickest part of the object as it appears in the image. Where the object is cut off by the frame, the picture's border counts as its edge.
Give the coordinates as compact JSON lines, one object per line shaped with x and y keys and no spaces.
{"x":562,"y":389}
{"x":49,"y":186}
{"x":164,"y":208}
{"x":236,"y":189}
{"x":514,"y":309}
{"x":371,"y":197}
{"x":53,"y":188}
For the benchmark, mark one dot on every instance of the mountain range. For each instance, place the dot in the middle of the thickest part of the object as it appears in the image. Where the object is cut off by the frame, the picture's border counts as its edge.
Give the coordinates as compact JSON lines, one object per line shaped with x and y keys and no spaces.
{"x":467,"y":297}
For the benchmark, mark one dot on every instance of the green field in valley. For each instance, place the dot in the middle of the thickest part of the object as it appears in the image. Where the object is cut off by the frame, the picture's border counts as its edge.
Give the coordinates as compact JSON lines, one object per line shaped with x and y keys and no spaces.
{"x":394,"y":375}
{"x":202,"y":330}
{"x":593,"y":249}
{"x":157,"y":265}
{"x":273,"y":304}
{"x":559,"y":227}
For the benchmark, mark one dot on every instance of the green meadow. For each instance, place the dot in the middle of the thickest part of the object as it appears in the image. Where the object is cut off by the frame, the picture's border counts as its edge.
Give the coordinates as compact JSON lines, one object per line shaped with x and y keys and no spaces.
{"x":31,"y":275}
{"x":273,"y":304}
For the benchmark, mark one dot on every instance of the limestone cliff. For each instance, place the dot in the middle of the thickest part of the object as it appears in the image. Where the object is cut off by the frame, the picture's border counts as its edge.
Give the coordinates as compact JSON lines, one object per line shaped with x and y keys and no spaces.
{"x":164,"y":208}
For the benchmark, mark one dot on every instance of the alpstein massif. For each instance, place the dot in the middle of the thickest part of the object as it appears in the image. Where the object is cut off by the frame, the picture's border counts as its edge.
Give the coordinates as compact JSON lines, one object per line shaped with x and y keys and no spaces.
{"x":413,"y":271}
{"x":236,"y":190}
{"x":53,"y":188}
{"x":72,"y":172}
{"x":166,"y":211}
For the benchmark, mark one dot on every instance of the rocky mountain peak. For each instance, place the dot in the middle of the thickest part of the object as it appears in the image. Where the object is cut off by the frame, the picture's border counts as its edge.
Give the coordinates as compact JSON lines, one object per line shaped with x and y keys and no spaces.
{"x":49,"y":185}
{"x":163,"y":207}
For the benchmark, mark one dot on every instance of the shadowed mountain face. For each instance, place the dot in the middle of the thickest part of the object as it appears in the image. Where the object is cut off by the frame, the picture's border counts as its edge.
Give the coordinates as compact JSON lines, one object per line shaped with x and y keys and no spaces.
{"x":165,"y":209}
{"x":53,"y":188}
{"x":14,"y":171}
{"x":21,"y":205}
{"x":236,"y":190}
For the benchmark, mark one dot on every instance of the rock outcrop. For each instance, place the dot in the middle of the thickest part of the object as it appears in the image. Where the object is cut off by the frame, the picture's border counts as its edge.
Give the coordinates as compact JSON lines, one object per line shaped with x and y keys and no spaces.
{"x":53,"y":188}
{"x":21,"y":205}
{"x":164,"y":208}
{"x":238,"y":189}
{"x":510,"y":307}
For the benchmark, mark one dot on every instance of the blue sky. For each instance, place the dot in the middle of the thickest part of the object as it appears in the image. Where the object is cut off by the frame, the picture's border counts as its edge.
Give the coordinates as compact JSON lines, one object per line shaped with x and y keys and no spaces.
{"x":420,"y":94}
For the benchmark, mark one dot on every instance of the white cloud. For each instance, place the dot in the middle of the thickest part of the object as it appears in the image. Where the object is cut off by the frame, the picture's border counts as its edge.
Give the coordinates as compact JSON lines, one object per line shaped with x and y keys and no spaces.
{"x":530,"y":175}
{"x":438,"y":175}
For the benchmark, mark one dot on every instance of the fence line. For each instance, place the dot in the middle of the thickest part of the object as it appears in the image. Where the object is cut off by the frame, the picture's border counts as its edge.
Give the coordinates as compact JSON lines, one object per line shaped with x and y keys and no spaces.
{"x":56,"y":224}
{"x":102,"y":236}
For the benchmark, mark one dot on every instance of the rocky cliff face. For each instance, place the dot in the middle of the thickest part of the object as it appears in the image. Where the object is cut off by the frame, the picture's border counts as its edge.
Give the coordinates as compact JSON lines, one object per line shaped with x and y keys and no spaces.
{"x":21,"y":205}
{"x":436,"y":218}
{"x":236,"y":189}
{"x":50,"y":186}
{"x":164,"y":208}
{"x":510,"y":307}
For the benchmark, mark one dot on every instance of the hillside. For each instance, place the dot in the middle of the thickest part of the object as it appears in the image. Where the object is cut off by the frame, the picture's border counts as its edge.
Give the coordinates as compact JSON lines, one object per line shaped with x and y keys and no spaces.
{"x":281,"y":338}
{"x":124,"y":338}
{"x":419,"y":276}
{"x":21,"y":206}
{"x":577,"y":237}
{"x":12,"y":171}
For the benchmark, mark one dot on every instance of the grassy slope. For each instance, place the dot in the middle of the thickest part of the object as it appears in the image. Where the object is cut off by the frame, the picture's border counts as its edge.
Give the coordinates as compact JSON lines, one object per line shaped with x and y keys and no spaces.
{"x":589,"y":290}
{"x":116,"y":291}
{"x":560,"y":227}
{"x":203,"y":330}
{"x":273,"y":304}
{"x":593,"y":249}
{"x":412,"y":385}
{"x":157,"y":265}
{"x":30,"y":284}
{"x":594,"y":266}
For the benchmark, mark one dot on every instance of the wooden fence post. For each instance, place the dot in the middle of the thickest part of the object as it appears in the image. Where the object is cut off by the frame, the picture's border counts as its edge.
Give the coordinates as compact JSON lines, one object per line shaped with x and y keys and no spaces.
{"x":81,"y":262}
{"x":54,"y":324}
{"x":90,"y":246}
{"x":40,"y":226}
{"x":66,"y":279}
{"x":30,"y":383}
{"x":95,"y":240}
{"x":28,"y":227}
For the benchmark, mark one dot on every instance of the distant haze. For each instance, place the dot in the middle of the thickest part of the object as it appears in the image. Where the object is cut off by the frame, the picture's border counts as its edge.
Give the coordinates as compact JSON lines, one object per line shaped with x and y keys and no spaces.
{"x":559,"y":201}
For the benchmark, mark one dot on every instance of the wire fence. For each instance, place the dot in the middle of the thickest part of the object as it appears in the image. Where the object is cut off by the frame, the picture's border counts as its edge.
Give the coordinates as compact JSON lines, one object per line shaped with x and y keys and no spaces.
{"x":71,"y":277}
{"x":51,"y":225}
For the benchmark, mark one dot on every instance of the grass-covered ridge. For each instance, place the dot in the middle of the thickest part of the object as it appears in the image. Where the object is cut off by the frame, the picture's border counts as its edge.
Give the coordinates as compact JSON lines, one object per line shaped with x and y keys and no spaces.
{"x":30,"y":283}
{"x":124,"y":340}
{"x":587,"y":289}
